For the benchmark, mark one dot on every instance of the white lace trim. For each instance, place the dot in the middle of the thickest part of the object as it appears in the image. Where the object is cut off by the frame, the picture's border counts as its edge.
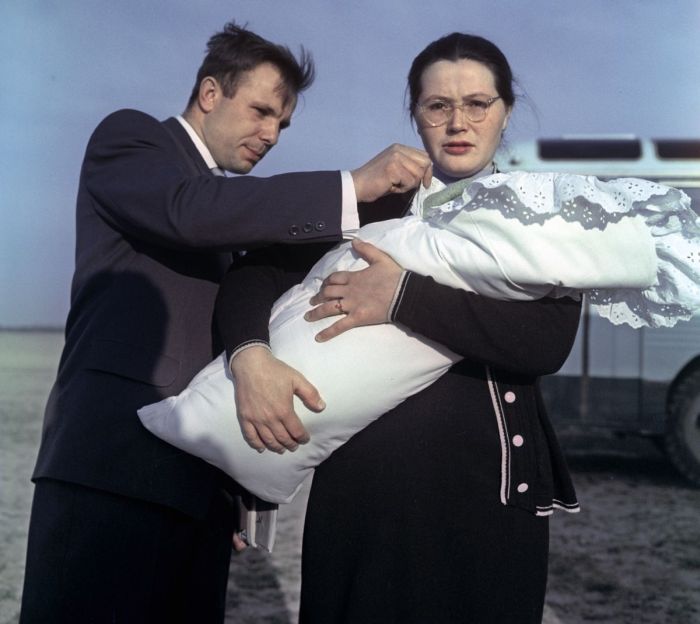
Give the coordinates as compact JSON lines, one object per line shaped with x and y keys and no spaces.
{"x":534,"y":197}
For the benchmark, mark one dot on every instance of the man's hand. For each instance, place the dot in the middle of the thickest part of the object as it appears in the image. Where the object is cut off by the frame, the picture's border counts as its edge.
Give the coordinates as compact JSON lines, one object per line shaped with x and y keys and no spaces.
{"x":265,"y":387}
{"x":239,"y":545}
{"x":362,"y":297}
{"x":397,"y":169}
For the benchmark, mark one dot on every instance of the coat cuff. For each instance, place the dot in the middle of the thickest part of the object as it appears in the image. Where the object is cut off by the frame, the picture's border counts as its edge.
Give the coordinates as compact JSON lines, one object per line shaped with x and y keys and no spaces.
{"x":407,"y":290}
{"x":246,"y":345}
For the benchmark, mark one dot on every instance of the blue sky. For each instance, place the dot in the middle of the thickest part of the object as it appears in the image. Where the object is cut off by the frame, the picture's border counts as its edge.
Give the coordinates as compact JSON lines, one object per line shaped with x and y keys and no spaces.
{"x":593,"y":66}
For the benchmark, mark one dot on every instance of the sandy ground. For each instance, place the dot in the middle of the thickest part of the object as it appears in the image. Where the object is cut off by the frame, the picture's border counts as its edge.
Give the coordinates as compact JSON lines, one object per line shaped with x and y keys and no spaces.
{"x":633,"y":553}
{"x":631,"y":556}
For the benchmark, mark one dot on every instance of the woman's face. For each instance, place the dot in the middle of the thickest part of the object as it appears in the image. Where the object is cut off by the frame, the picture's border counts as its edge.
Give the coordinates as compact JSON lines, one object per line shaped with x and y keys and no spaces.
{"x":461,"y":148}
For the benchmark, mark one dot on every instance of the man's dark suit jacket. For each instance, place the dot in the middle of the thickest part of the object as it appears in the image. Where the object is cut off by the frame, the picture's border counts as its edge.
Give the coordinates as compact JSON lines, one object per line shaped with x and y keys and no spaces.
{"x":155,"y":232}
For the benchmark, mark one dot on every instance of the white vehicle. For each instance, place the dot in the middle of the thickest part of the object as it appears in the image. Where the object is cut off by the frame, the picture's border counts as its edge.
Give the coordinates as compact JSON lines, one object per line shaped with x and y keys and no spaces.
{"x":629,"y":381}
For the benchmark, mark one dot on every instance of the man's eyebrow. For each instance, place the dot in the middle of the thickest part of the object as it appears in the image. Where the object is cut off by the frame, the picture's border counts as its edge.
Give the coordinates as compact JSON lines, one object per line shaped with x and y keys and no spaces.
{"x":268,"y":110}
{"x":265,"y":108}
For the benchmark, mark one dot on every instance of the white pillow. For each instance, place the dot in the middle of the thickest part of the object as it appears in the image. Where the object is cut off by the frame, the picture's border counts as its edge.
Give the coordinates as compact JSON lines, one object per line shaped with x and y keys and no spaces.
{"x":360,"y":375}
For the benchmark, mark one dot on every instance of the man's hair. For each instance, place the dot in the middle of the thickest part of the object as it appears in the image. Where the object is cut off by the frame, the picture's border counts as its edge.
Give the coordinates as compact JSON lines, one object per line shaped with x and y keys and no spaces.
{"x":234,"y":51}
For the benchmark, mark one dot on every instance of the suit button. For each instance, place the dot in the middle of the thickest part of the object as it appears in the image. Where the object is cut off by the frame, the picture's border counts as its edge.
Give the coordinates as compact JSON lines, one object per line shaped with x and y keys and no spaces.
{"x":523,"y":487}
{"x":518,"y":440}
{"x":294,"y":230}
{"x":509,"y":397}
{"x":308,"y":227}
{"x":320,"y":226}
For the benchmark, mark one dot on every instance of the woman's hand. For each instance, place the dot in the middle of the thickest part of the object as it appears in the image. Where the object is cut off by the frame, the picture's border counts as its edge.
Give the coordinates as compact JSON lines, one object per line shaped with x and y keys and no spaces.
{"x":361,"y":297}
{"x":265,"y":387}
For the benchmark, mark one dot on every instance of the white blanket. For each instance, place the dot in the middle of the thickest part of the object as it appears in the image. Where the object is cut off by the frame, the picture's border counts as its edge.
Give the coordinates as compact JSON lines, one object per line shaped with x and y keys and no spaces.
{"x":628,"y":245}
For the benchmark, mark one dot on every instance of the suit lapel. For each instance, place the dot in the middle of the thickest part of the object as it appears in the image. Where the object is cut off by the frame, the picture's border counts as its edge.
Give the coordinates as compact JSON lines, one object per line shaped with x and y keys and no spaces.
{"x":197,"y":166}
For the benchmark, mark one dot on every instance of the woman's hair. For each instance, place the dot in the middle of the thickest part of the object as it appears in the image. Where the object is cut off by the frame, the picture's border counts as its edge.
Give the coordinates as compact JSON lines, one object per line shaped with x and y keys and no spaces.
{"x":462,"y":46}
{"x":236,"y":50}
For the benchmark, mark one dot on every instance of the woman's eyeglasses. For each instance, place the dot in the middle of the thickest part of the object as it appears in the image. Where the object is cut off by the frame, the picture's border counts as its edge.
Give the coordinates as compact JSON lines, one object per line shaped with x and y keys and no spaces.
{"x":439,"y":112}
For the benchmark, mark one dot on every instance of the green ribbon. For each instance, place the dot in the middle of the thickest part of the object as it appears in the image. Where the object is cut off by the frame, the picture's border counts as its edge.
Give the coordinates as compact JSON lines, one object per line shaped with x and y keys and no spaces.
{"x":450,"y":192}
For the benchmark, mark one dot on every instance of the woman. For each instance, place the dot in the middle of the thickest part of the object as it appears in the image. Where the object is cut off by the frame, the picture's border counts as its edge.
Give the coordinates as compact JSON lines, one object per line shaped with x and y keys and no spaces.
{"x":437,"y":511}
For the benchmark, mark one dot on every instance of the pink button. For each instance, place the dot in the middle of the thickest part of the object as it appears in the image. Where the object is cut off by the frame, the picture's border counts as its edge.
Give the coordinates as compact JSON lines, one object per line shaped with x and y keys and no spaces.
{"x":509,"y":397}
{"x":518,"y":440}
{"x":523,"y":487}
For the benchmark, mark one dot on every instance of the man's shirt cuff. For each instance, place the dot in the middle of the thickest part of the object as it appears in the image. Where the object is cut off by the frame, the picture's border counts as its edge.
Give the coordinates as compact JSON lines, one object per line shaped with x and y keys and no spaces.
{"x":350,"y":219}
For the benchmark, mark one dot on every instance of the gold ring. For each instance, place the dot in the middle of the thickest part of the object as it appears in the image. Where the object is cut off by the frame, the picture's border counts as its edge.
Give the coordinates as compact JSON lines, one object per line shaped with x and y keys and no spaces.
{"x":339,"y":306}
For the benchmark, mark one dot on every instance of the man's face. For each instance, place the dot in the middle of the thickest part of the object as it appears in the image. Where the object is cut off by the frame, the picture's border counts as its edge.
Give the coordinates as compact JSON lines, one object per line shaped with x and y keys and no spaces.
{"x":240,"y":130}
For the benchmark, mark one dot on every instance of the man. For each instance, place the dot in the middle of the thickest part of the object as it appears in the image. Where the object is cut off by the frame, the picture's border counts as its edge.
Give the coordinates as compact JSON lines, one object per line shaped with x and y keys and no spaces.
{"x":124,"y":527}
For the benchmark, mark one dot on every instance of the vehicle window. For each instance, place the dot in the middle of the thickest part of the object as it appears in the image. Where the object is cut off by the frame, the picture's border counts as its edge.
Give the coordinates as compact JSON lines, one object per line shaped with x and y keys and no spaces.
{"x":677,"y":148}
{"x":589,"y":149}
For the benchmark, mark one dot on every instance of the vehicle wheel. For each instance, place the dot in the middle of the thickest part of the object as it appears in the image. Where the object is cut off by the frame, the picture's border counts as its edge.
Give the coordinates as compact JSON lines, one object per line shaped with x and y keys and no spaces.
{"x":682,"y":439}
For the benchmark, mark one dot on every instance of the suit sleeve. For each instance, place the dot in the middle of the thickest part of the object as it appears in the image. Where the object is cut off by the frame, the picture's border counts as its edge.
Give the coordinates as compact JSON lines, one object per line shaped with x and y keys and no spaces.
{"x":139,"y":184}
{"x":524,"y":337}
{"x":253,"y":284}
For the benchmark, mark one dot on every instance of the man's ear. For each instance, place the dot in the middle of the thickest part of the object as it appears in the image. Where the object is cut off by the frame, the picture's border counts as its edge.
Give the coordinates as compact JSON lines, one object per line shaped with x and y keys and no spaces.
{"x":209,"y":93}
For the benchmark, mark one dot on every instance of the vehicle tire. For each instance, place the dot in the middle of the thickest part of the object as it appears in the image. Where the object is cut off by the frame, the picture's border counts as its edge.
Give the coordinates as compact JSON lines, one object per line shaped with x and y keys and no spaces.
{"x":682,"y":438}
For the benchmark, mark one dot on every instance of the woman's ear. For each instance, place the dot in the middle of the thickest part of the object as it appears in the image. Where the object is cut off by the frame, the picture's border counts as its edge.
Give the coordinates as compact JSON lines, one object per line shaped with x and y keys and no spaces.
{"x":506,"y":120}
